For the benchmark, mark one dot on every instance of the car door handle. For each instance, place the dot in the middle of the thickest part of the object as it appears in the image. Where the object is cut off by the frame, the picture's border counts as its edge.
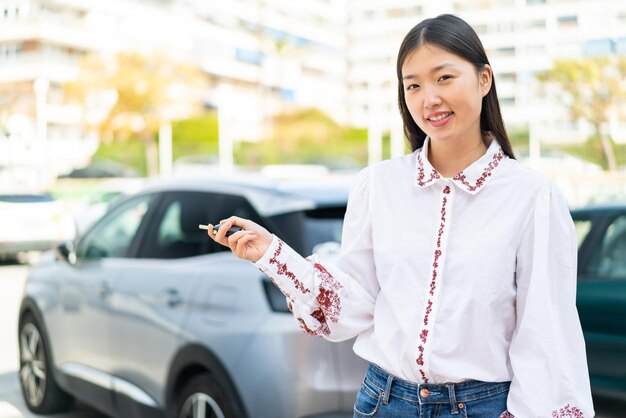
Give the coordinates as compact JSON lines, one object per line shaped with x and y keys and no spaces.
{"x":104,"y":290}
{"x":173,"y":297}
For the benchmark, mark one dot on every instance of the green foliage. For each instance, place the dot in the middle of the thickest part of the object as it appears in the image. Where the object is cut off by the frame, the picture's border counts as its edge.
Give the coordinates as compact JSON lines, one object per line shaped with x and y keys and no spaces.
{"x":519,"y":138}
{"x":591,"y":88}
{"x":307,"y":136}
{"x":195,"y":136}
{"x":129,"y":153}
{"x":593,"y":152}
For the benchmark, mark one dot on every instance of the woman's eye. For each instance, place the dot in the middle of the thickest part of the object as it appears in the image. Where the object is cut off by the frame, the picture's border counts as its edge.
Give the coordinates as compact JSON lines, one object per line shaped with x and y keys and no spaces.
{"x":412,"y":86}
{"x":445,"y":77}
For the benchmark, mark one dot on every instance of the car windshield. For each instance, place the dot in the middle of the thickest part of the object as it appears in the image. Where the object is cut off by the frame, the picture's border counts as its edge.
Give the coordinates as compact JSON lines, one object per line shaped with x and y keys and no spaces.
{"x":26,"y":198}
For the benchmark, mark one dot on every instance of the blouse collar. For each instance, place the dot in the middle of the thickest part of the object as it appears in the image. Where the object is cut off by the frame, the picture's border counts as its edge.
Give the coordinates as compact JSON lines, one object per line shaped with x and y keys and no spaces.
{"x":472,"y":179}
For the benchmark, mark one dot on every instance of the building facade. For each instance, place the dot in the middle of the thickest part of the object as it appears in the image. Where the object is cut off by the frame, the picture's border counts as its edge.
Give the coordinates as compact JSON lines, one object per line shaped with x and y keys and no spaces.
{"x":259,"y":58}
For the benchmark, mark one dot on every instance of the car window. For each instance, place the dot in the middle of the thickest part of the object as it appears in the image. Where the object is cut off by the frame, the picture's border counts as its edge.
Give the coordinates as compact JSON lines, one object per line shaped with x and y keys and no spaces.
{"x":613,"y":250}
{"x":175,"y":232}
{"x":608,"y":259}
{"x":113,"y":236}
{"x":232,"y":205}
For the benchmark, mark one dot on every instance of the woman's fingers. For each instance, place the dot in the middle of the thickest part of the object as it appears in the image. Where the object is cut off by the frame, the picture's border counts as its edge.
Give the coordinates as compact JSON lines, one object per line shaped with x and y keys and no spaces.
{"x":250,"y":243}
{"x":238,"y":242}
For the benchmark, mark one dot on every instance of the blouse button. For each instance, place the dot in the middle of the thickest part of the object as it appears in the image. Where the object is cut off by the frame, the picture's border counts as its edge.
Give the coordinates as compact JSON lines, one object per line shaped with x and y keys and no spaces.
{"x":424,"y":393}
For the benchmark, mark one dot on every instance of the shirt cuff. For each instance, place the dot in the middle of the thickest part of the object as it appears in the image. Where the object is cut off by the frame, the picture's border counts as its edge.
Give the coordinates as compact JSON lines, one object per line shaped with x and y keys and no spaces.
{"x":265,"y":258}
{"x":288,"y":270}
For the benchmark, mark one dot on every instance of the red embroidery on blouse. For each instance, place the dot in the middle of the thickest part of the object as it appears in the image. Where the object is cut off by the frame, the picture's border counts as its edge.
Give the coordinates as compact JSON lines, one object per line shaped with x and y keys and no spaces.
{"x":305,"y":328}
{"x":420,"y":174}
{"x":568,"y":412}
{"x":424,"y":378}
{"x":433,"y":283}
{"x":328,"y":298}
{"x":283,"y":270}
{"x":481,"y":180}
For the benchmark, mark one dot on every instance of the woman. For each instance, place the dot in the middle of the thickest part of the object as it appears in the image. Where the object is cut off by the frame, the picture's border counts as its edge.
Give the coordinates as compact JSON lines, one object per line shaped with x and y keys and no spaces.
{"x":458,"y":266}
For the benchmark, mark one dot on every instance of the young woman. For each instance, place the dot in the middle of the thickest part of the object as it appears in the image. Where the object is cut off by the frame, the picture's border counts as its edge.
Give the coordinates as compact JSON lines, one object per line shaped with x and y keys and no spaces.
{"x":458,"y":266}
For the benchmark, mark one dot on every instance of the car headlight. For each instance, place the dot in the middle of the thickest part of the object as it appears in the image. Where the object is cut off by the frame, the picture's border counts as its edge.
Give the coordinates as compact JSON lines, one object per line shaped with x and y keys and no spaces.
{"x":275,"y":298}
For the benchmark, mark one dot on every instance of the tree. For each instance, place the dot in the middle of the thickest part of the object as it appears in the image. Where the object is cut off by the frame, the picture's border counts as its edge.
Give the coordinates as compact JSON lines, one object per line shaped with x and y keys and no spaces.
{"x":593,"y":87}
{"x":129,"y":96}
{"x":307,"y":136}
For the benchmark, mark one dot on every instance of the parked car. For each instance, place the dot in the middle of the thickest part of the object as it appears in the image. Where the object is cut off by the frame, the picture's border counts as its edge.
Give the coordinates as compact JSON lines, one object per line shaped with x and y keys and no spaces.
{"x":145,"y":316}
{"x":32,"y":223}
{"x":601,"y":297}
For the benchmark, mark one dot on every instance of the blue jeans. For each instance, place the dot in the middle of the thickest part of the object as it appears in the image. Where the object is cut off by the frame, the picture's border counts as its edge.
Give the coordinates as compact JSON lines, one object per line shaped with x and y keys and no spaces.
{"x":383,"y":395}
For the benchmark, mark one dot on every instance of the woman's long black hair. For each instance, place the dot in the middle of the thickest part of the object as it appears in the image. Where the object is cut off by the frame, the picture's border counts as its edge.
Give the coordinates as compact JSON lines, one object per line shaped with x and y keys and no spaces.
{"x":454,"y":35}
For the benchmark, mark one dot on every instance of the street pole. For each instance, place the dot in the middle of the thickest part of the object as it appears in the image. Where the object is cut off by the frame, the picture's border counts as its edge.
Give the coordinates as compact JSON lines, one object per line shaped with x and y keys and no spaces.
{"x":165,"y":149}
{"x":224,"y":132}
{"x":41,"y":87}
{"x":397,"y":138}
{"x":374,"y":127}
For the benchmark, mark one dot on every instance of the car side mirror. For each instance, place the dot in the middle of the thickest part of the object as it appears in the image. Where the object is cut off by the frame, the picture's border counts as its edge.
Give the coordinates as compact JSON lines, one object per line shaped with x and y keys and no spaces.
{"x":66,"y":252}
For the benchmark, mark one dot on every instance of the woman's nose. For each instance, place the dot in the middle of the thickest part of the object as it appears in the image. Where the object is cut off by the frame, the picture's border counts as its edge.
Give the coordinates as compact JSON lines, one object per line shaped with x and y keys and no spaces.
{"x":431,"y":98}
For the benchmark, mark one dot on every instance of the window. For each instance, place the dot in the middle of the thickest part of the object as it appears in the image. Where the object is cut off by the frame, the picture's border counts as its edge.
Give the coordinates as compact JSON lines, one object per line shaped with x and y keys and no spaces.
{"x":608,"y":260}
{"x":316,"y":230}
{"x":599,"y":47}
{"x":176,"y":233}
{"x":113,"y":236}
{"x":620,"y":46}
{"x":504,"y":52}
{"x":507,"y":101}
{"x":613,"y":250}
{"x":567,"y":21}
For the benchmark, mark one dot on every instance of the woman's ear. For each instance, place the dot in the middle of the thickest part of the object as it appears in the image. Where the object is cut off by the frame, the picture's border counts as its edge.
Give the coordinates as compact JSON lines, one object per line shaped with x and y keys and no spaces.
{"x":485,"y":79}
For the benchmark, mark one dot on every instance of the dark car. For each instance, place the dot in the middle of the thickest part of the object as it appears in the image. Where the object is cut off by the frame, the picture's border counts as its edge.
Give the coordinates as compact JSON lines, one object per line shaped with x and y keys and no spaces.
{"x":601,"y":297}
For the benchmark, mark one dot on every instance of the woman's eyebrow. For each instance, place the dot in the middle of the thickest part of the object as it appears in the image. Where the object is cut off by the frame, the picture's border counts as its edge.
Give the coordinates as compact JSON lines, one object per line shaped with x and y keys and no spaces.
{"x":433,"y":70}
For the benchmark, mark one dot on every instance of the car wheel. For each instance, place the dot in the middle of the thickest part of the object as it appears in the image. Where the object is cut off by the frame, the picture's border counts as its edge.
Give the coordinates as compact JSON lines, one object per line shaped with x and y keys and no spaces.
{"x":203,"y":397}
{"x":41,"y":392}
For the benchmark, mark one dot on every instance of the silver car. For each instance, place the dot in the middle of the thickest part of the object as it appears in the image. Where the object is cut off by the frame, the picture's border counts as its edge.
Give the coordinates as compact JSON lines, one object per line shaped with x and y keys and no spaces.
{"x":145,"y":316}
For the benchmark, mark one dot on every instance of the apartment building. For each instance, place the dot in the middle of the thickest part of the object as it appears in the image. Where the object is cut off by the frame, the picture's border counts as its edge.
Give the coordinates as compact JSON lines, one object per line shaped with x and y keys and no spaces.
{"x":260,"y":57}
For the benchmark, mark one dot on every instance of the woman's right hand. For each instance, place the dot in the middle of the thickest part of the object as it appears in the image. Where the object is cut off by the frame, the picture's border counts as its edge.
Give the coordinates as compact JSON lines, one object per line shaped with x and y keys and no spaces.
{"x":249,"y":244}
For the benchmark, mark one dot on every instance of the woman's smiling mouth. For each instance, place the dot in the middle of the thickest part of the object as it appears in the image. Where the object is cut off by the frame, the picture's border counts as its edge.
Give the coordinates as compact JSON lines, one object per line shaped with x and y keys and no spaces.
{"x":439,"y":119}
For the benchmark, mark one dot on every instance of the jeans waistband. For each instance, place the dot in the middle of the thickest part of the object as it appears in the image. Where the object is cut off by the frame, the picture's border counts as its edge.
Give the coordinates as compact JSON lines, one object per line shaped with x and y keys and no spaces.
{"x":448,"y":393}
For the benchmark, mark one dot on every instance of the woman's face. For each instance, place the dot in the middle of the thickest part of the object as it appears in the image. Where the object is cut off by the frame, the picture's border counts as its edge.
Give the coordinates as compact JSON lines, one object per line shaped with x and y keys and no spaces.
{"x":444,"y":92}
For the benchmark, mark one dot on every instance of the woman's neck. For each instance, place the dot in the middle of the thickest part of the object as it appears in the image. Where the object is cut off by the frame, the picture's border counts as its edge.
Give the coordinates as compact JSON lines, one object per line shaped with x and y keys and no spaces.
{"x":451,"y":158}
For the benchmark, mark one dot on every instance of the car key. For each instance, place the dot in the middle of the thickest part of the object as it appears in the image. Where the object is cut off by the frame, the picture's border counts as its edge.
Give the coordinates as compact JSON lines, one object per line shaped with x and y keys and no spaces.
{"x":216,"y":228}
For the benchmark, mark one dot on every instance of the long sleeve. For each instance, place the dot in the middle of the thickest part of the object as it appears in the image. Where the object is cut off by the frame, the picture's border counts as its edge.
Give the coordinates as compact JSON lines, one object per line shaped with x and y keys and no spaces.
{"x":547,"y":351}
{"x":335,"y":301}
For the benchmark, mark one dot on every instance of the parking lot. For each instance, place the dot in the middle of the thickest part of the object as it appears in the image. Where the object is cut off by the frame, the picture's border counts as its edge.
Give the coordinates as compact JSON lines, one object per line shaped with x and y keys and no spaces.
{"x":11,"y":404}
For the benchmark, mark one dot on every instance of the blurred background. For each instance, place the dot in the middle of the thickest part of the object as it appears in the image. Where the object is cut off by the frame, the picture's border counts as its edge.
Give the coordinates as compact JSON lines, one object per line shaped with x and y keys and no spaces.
{"x":135,"y":88}
{"x":97,"y":98}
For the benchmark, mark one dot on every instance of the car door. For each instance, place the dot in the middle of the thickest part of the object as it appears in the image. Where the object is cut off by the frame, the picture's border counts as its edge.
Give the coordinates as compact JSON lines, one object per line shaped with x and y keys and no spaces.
{"x":601,"y":298}
{"x":79,"y":329}
{"x":150,"y":298}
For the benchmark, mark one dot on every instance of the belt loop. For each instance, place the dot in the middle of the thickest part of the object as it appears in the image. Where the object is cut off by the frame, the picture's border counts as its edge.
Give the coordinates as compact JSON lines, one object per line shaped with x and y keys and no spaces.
{"x":387,"y":392}
{"x":452,"y":394}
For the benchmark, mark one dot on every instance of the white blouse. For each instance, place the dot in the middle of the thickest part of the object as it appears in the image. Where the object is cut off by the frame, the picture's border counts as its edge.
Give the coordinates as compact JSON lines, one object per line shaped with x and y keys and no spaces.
{"x":449,"y":279}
